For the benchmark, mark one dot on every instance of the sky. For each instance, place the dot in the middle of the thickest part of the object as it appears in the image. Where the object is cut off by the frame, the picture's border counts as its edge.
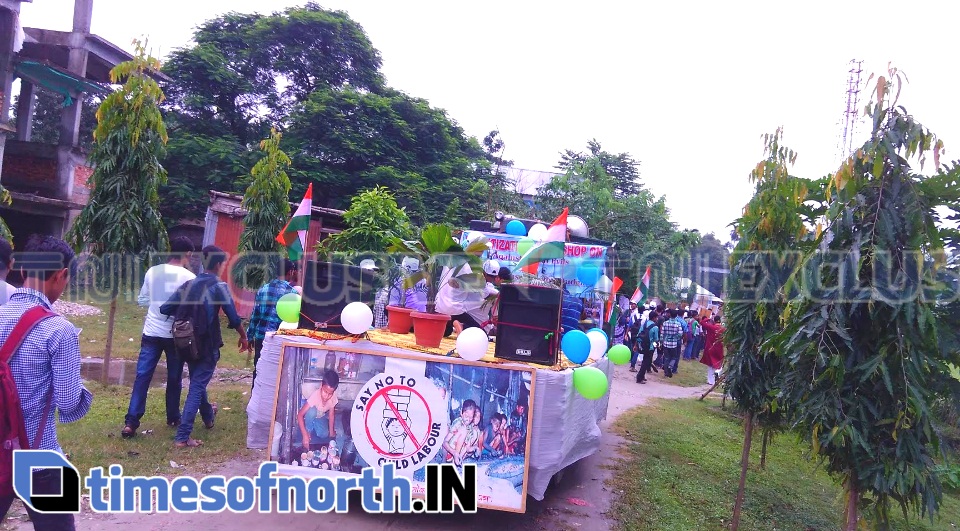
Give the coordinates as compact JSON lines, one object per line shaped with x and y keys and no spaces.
{"x":687,"y":88}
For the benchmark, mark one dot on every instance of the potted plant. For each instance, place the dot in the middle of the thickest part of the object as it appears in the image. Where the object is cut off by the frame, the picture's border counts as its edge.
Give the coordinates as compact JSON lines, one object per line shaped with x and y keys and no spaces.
{"x":436,"y":249}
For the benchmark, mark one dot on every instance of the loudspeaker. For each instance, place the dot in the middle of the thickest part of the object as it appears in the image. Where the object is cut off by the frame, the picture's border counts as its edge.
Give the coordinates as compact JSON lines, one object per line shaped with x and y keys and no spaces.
{"x":327,"y":289}
{"x":528,"y":324}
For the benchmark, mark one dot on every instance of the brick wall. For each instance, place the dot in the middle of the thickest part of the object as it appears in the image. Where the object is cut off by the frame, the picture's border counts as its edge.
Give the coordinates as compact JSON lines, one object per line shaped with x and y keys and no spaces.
{"x":81,"y":194}
{"x":29,"y":173}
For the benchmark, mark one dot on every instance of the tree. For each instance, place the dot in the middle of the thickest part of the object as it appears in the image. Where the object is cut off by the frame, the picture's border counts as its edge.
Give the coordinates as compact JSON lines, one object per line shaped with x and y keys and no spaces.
{"x":622,"y":167}
{"x":268,"y":207}
{"x":343,"y":127}
{"x":500,"y":192}
{"x":373,"y":222}
{"x":122,"y":218}
{"x":639,"y":223}
{"x":864,"y":342}
{"x":769,"y":235}
{"x":4,"y":229}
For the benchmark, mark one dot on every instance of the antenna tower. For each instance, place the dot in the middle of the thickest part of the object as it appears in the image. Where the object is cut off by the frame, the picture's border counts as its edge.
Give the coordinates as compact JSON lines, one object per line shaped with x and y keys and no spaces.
{"x":853,"y":108}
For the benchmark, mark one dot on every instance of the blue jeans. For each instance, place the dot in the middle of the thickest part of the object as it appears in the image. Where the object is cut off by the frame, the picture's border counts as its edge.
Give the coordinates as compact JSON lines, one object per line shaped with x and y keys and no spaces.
{"x":201,"y":372}
{"x":688,"y":351}
{"x":671,"y":358}
{"x":150,"y":350}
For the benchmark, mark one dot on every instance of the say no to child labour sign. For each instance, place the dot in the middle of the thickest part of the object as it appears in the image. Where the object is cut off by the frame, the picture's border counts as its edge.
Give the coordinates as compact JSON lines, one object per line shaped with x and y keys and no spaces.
{"x":399,"y":419}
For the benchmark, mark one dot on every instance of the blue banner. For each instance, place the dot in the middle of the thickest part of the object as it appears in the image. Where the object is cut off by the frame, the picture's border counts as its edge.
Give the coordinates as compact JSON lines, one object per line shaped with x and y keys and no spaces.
{"x":576,"y":255}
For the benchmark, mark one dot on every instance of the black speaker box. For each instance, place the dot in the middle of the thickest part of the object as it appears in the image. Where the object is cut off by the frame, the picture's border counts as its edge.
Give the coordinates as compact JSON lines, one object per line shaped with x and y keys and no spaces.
{"x":528,"y":327}
{"x":327,"y":289}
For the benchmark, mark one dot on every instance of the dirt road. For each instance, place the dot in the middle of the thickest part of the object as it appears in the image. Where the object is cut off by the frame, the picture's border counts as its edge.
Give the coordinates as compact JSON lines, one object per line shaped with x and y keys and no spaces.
{"x":578,"y":501}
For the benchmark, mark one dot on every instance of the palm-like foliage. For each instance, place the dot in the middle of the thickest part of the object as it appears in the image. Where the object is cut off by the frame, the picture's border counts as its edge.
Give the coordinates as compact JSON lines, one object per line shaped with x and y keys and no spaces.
{"x":122,"y":218}
{"x":864,"y":344}
{"x":437,"y":249}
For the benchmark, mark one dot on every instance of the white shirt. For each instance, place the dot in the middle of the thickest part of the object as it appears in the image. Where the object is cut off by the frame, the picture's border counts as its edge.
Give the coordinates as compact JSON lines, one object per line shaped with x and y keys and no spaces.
{"x":6,"y":290}
{"x":455,"y":301}
{"x":159,"y":284}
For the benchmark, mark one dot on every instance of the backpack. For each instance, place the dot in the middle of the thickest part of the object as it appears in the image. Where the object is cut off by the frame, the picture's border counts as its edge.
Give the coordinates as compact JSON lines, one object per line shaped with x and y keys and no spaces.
{"x":645,"y":336}
{"x":190,"y":321}
{"x":13,"y":429}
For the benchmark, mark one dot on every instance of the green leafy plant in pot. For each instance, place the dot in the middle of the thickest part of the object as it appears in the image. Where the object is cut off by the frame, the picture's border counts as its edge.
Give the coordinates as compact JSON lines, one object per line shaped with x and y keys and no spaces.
{"x":436,"y":249}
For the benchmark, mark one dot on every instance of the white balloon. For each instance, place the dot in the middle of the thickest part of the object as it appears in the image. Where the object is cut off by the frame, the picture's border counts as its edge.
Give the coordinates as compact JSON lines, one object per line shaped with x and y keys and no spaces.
{"x":472,"y":344}
{"x":598,"y":343}
{"x":537,"y":232}
{"x":356,"y":318}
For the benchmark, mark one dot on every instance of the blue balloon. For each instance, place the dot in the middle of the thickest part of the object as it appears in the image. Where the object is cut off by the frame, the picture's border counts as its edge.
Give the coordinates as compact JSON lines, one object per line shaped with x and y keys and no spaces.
{"x":601,"y":331}
{"x":517,"y":228}
{"x":576,"y":346}
{"x":588,"y":275}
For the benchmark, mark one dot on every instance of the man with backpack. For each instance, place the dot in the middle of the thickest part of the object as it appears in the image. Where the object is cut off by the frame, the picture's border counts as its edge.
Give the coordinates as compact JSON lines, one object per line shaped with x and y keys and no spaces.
{"x":159,"y":284}
{"x":648,"y":335}
{"x":195,"y":309}
{"x":42,"y":350}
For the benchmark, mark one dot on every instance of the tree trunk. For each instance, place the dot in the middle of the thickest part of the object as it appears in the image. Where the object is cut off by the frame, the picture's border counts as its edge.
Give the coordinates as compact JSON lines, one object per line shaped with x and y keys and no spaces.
{"x":111,"y":320}
{"x":763,"y":450}
{"x":744,"y":465}
{"x":853,"y":496}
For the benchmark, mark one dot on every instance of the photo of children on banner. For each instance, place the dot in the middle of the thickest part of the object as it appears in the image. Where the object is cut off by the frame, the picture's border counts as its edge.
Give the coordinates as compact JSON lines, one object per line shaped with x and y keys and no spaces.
{"x":486,"y":409}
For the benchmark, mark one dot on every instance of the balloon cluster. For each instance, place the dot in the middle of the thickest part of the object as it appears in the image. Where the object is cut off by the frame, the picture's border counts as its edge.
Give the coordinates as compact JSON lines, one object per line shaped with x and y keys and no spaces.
{"x":578,"y":346}
{"x":356,"y":317}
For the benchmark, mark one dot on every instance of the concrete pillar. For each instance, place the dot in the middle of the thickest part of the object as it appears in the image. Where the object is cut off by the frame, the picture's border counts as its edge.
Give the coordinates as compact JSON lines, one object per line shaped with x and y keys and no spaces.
{"x":76,"y":64}
{"x":26,"y":105}
{"x":8,"y":34}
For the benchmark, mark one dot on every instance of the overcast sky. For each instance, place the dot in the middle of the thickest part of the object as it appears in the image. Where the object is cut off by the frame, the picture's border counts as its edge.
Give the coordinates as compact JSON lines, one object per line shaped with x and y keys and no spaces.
{"x":687,"y":88}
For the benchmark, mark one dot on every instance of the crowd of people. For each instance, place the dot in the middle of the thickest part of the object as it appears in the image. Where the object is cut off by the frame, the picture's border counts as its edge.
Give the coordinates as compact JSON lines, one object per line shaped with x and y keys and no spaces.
{"x":658,"y":337}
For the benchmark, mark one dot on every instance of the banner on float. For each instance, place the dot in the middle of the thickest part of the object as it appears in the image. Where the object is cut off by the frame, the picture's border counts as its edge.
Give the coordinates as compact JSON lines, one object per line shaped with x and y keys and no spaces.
{"x":341,"y":409}
{"x":505,"y":251}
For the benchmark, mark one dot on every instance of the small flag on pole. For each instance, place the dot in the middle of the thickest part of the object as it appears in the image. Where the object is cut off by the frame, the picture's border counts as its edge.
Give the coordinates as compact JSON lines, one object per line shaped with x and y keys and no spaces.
{"x":551,"y":247}
{"x":617,"y":284}
{"x":643,"y":288}
{"x":294,"y":235}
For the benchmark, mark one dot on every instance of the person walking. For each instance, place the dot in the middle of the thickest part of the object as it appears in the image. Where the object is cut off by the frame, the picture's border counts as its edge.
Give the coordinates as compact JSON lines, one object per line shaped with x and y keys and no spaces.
{"x":204,"y":297}
{"x":672,"y":333}
{"x":649,"y":336}
{"x":42,"y":350}
{"x":264,"y":317}
{"x":713,"y":353}
{"x":159,"y":284}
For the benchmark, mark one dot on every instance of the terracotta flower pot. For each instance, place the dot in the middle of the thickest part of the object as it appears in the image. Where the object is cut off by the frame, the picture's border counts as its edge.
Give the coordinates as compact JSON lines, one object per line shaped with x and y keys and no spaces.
{"x":399,"y":320}
{"x":429,"y":328}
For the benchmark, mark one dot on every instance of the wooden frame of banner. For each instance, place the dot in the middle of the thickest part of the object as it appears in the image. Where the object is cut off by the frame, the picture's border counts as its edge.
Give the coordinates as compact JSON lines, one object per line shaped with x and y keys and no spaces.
{"x":416,"y":356}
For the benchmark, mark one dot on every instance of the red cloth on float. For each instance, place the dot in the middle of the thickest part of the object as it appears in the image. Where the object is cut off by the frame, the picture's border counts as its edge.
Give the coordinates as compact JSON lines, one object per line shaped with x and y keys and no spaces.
{"x":713,"y":346}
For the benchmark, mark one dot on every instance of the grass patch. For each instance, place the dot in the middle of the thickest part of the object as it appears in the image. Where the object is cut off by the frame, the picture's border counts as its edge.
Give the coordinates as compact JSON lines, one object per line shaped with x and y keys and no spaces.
{"x":95,"y":440}
{"x":682,"y":467}
{"x":690,"y":373}
{"x":128,"y":329}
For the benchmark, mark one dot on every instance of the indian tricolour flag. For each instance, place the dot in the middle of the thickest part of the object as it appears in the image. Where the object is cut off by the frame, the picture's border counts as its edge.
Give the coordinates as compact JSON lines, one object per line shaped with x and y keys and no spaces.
{"x":294,"y":235}
{"x":643,"y":288}
{"x":552,"y":246}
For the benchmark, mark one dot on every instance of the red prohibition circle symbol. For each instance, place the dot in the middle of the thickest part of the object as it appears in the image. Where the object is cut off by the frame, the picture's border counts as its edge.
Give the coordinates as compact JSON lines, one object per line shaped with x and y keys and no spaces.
{"x":418,"y":443}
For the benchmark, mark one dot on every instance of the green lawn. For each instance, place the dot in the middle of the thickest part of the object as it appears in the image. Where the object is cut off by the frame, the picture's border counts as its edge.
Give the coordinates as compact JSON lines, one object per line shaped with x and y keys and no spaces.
{"x":128,"y":330}
{"x":691,"y":373}
{"x":682,"y":467}
{"x":95,"y":440}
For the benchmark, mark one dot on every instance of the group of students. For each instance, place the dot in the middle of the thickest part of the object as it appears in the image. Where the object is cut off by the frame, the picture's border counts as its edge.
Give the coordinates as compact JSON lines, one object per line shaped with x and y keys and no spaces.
{"x":670,"y":333}
{"x":468,"y":439}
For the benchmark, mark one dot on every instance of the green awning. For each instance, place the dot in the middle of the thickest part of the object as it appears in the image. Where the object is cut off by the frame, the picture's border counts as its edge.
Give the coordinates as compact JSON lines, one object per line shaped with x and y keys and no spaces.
{"x":59,"y":81}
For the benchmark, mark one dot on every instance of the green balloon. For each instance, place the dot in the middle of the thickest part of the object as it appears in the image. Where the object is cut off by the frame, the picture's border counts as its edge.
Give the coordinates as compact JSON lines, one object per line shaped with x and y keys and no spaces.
{"x":619,"y":354}
{"x":524,"y":245}
{"x":590,"y":382}
{"x":288,"y":308}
